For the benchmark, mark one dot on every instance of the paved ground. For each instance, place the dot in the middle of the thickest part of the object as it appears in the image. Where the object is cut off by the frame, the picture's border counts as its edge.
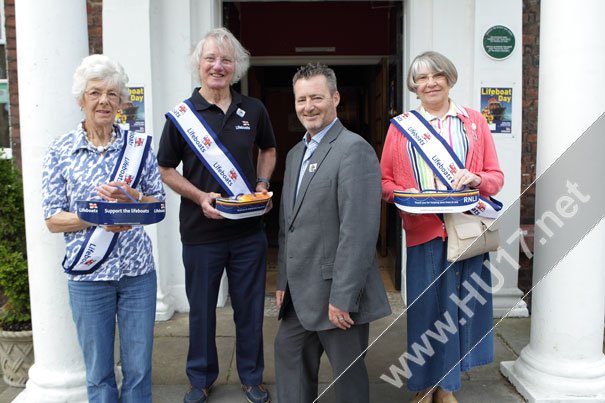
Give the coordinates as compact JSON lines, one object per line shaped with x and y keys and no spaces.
{"x":484,"y":384}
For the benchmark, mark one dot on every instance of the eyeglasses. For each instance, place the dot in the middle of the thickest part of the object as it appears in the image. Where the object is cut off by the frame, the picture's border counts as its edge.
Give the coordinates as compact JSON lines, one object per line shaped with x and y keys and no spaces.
{"x":112,"y":96}
{"x":422,"y":79}
{"x":223,"y":60}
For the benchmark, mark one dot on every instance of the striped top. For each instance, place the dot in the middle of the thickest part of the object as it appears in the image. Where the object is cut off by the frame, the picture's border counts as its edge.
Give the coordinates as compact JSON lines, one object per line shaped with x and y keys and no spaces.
{"x":451,"y":128}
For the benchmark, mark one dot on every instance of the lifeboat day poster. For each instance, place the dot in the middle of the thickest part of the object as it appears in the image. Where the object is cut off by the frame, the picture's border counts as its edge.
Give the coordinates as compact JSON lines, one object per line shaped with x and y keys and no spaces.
{"x":496,"y":107}
{"x":132,"y":114}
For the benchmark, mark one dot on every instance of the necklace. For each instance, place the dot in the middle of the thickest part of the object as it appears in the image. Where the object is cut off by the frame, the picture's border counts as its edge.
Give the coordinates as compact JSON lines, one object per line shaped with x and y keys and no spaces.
{"x":102,"y":149}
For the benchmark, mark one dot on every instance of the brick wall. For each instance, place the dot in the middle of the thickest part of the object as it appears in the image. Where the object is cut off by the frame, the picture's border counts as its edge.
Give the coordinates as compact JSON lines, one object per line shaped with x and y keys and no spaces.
{"x":94,"y":9}
{"x":531,"y":59}
{"x":11,"y":68}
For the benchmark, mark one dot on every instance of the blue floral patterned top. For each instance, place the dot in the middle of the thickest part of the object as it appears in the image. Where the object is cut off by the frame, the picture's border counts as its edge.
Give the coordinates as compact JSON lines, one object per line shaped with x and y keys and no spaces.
{"x":72,"y":171}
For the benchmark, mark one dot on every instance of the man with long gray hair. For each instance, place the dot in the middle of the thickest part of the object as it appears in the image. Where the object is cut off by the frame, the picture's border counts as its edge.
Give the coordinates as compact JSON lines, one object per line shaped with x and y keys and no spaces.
{"x":229,"y":124}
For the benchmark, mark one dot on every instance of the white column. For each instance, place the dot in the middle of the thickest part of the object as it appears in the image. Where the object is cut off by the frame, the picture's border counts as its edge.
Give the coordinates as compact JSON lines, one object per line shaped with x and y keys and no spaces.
{"x":564,"y":360}
{"x":155,"y":54}
{"x":51,"y":41}
{"x":134,"y":52}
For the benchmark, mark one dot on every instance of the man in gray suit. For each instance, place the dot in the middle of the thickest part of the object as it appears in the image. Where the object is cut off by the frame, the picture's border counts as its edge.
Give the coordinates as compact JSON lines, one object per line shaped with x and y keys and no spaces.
{"x":329,"y":287}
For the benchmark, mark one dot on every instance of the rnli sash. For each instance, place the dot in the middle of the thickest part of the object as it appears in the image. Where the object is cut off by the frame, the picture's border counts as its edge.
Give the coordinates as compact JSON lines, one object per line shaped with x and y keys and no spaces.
{"x":99,"y":243}
{"x":438,"y":154}
{"x":210,"y":151}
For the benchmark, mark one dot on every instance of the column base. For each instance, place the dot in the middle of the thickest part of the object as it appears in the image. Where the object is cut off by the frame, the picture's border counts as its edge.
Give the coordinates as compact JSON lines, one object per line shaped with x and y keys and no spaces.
{"x":52,"y":386}
{"x":543,"y":380}
{"x":507,"y":301}
{"x":164,"y":309}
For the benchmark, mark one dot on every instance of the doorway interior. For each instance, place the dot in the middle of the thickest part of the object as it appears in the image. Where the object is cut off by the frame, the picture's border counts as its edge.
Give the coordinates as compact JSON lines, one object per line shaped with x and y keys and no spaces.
{"x":361,"y":41}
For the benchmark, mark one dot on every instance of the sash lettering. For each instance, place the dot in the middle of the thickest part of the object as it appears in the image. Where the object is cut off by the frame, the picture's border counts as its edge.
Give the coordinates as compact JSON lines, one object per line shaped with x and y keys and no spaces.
{"x":210,"y":151}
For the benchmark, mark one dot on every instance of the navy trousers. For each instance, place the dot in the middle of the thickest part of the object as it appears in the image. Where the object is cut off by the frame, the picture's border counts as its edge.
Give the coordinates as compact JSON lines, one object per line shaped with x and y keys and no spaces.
{"x":245,"y":261}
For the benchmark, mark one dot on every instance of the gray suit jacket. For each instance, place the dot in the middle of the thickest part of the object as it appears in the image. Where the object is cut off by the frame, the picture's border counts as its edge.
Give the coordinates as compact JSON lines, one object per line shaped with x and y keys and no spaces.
{"x":328,"y":233}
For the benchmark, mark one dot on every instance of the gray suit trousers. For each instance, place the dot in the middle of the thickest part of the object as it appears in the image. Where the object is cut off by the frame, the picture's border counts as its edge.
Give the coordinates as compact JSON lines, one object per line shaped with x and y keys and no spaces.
{"x":297,"y":356}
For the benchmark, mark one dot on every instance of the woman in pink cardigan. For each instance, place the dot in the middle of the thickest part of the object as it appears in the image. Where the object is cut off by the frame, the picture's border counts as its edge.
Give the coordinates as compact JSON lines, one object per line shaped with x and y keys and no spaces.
{"x":449,"y":313}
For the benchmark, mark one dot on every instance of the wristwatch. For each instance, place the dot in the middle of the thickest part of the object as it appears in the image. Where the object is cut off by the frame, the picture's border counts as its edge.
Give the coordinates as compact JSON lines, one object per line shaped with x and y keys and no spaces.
{"x":265,"y":181}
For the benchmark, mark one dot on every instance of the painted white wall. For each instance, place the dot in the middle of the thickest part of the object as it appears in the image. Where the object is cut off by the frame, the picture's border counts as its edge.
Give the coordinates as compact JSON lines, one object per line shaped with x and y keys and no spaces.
{"x":455,"y":28}
{"x":428,"y":26}
{"x":504,"y":73}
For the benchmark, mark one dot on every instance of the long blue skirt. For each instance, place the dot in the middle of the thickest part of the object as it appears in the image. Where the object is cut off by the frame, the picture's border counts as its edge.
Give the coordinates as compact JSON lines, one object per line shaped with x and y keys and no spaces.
{"x":449,"y":322}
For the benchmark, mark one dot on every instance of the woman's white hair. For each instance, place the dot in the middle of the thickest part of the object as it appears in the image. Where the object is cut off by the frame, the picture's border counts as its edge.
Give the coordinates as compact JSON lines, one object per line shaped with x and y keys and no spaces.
{"x":225,"y":39}
{"x":99,"y":68}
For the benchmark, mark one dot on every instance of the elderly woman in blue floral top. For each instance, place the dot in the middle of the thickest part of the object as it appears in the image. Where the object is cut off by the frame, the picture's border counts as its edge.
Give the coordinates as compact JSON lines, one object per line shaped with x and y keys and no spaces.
{"x":82,"y":165}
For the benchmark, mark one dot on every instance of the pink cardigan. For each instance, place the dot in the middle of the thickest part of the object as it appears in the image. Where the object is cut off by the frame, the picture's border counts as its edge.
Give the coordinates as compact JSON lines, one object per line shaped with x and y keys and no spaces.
{"x":397,"y":174}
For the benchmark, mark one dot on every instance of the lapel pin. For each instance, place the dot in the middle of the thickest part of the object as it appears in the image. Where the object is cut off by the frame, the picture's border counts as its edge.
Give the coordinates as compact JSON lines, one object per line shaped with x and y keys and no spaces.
{"x":312,"y":167}
{"x":240,"y":112}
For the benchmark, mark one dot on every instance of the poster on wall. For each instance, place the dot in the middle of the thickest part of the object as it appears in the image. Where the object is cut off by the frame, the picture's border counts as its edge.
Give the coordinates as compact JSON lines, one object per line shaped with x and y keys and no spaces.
{"x":496,"y":107}
{"x":4,"y":93}
{"x":132,"y":114}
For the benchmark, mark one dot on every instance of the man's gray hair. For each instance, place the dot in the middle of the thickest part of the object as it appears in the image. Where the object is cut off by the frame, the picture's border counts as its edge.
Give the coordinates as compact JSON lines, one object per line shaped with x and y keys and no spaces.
{"x":225,"y":39}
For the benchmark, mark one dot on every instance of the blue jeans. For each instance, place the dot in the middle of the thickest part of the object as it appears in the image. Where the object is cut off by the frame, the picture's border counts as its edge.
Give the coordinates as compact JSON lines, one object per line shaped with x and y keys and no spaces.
{"x":94,"y":306}
{"x":245,"y":261}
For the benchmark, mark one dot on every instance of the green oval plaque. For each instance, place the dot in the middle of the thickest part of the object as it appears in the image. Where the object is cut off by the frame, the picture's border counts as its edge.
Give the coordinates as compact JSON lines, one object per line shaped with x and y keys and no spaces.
{"x":499,"y":42}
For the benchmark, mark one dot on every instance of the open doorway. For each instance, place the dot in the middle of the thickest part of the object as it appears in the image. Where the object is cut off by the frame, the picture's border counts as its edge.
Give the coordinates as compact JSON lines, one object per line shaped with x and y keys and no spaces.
{"x":364,"y":49}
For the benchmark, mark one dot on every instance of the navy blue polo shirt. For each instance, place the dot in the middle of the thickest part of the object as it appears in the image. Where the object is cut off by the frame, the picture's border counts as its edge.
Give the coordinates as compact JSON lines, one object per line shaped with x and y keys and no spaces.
{"x":239,"y":138}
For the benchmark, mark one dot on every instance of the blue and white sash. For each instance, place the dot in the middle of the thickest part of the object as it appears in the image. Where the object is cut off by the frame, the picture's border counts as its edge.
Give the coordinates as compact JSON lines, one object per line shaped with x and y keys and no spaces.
{"x":439,"y":156}
{"x":211,"y":152}
{"x":99,"y":243}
